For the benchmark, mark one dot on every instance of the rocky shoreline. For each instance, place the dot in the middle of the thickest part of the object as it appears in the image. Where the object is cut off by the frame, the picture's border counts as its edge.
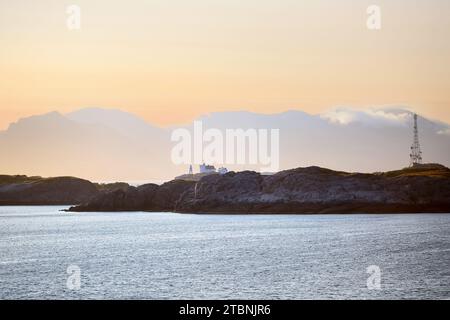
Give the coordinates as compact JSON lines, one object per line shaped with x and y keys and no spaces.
{"x":421,"y":189}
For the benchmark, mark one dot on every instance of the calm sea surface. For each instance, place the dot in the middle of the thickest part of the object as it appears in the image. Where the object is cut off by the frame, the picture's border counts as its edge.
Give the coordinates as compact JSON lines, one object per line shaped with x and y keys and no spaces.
{"x":137,"y":255}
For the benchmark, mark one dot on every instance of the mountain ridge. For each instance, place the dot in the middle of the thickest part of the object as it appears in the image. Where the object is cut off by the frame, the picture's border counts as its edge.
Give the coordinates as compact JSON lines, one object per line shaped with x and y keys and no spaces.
{"x":103,"y":147}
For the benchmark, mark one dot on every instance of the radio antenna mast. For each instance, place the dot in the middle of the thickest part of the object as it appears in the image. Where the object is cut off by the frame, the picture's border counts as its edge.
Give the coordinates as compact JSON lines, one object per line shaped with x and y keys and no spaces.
{"x":416,"y":154}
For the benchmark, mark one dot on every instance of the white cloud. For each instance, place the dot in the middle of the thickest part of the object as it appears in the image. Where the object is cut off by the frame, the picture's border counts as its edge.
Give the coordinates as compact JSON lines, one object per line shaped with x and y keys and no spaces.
{"x":373,"y":116}
{"x":444,"y":132}
{"x":339,"y":116}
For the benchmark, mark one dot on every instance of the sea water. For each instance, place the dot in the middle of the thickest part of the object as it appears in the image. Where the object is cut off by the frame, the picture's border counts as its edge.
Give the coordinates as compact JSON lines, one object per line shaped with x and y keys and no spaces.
{"x":142,"y":255}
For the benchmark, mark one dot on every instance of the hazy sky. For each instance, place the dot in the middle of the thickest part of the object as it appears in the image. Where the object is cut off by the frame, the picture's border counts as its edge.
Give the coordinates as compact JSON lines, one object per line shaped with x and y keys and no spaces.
{"x":172,"y":60}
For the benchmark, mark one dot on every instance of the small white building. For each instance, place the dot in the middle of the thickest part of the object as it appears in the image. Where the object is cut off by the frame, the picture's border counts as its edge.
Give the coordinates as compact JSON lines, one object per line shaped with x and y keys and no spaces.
{"x":222,"y":170}
{"x":204,"y":168}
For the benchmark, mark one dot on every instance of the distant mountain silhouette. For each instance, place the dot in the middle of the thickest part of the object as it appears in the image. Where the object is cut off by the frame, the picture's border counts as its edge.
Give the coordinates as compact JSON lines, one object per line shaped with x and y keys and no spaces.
{"x":124,"y":123}
{"x":112,"y":145}
{"x":99,"y":149}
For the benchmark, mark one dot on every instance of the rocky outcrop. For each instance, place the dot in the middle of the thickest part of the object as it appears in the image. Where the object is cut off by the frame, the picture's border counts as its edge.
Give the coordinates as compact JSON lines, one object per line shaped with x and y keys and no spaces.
{"x":148,"y":197}
{"x":23,"y":190}
{"x":303,"y":190}
{"x":318,"y":190}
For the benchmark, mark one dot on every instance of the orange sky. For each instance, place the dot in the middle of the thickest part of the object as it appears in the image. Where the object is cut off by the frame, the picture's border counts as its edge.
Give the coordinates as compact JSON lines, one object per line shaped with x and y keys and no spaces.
{"x":170,"y":61}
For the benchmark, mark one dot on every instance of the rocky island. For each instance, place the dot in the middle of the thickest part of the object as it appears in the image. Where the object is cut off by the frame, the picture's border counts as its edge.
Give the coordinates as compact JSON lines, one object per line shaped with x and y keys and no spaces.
{"x":423,"y":188}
